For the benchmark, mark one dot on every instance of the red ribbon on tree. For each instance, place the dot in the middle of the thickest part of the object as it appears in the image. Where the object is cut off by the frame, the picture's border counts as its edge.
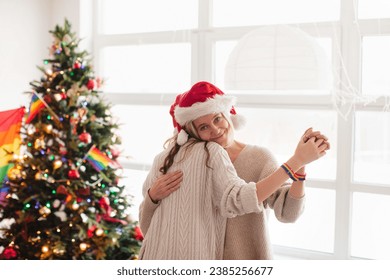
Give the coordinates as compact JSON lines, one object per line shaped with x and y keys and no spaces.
{"x":104,"y":203}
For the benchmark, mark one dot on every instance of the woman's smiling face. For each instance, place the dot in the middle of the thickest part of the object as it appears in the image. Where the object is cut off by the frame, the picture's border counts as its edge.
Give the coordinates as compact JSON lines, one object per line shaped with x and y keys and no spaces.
{"x":214,"y":127}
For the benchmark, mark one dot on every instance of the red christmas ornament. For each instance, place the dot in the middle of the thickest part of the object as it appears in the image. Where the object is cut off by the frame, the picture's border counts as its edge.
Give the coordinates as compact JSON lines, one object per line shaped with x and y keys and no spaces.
{"x":47,"y":99}
{"x":91,"y":84}
{"x":61,"y":189}
{"x":85,"y":137}
{"x":77,"y":65}
{"x":138,"y":234}
{"x":84,"y":191}
{"x":63,"y":150}
{"x":91,"y":230}
{"x":9,"y":253}
{"x":73,"y":174}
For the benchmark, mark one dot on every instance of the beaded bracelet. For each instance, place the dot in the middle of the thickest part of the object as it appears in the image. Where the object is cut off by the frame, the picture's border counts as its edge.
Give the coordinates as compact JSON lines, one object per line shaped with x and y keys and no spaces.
{"x":293,"y":176}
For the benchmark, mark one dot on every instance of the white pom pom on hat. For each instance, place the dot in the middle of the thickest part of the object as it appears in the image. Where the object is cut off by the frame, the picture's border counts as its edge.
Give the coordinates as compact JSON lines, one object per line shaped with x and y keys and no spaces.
{"x":182,"y":137}
{"x":202,"y":99}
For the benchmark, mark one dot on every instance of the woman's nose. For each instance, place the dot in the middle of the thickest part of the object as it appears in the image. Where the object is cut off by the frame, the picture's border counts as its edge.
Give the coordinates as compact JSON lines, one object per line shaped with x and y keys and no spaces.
{"x":214,"y":129}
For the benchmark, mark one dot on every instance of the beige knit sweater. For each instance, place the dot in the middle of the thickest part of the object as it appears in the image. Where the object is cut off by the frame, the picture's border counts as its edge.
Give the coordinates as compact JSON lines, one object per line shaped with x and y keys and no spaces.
{"x":247,"y":236}
{"x":191,"y":222}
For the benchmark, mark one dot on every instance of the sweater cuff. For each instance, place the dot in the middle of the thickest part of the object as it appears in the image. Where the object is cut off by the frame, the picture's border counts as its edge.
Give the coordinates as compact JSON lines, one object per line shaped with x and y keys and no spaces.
{"x":149,"y":204}
{"x":249,"y":195}
{"x":295,"y":207}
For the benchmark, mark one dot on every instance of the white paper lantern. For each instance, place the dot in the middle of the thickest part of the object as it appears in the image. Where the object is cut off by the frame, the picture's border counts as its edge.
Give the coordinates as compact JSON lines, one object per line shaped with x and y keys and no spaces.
{"x":277,"y":58}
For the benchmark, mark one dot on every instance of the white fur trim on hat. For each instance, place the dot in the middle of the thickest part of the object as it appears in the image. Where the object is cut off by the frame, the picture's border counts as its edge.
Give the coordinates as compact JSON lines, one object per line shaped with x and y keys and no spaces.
{"x":217,"y":104}
{"x":182,"y":137}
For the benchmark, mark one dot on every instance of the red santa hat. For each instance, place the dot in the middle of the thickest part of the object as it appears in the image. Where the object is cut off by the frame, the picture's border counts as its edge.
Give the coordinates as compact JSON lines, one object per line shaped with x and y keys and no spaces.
{"x":202,"y":99}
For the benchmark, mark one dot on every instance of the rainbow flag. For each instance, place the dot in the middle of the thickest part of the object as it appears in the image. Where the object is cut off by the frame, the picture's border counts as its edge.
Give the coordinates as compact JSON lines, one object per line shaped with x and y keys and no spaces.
{"x":98,"y":159}
{"x":36,"y":105}
{"x":10,"y":123}
{"x":3,"y":193}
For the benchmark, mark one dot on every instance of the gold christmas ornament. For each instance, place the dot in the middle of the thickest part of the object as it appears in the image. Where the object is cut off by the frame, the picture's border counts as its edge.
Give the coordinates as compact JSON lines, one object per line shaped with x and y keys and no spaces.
{"x":14,"y":173}
{"x":39,"y":143}
{"x":59,"y":251}
{"x":83,"y":246}
{"x":44,"y":211}
{"x":57,"y":164}
{"x":38,"y":176}
{"x":75,"y":206}
{"x":45,"y":249}
{"x":99,"y":232}
{"x":48,"y":128}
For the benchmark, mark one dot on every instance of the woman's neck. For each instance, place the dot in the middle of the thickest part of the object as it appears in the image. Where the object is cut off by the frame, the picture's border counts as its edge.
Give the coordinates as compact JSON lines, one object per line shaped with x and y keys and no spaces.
{"x":234,"y":150}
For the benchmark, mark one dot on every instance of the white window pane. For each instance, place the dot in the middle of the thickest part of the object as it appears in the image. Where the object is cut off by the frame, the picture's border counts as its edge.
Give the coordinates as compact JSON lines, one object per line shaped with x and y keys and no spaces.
{"x":314,"y":230}
{"x":146,"y":68}
{"x":279,"y":130}
{"x":143,"y":130}
{"x":376,"y":65}
{"x":372,"y":147}
{"x":370,"y":226}
{"x":373,"y":8}
{"x":133,"y":181}
{"x":223,"y":50}
{"x":132,"y":16}
{"x":256,"y":12}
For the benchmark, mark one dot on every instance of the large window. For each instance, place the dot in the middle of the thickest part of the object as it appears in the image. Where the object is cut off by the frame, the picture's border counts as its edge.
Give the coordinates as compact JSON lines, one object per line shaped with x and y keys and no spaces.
{"x":147,"y":56}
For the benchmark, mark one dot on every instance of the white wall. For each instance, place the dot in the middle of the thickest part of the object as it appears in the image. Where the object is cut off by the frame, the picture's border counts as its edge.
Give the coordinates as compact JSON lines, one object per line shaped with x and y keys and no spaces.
{"x":79,"y":14}
{"x":24,"y":42}
{"x":23,"y":45}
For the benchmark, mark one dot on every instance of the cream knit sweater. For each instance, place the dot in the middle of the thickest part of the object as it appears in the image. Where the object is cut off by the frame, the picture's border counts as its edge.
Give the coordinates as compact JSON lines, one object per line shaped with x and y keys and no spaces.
{"x":247,"y":236}
{"x":191,"y":222}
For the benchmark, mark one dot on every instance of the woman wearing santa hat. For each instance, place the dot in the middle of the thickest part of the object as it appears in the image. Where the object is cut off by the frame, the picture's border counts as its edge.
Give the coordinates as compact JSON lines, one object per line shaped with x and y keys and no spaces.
{"x":185,"y":213}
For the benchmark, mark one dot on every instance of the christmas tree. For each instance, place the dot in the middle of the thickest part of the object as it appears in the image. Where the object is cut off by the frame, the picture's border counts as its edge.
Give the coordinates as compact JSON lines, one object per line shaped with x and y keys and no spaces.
{"x":64,"y":199}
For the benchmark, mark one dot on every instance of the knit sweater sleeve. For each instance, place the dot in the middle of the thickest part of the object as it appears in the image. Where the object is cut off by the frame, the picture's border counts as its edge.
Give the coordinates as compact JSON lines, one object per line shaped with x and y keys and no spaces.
{"x":287,"y":209}
{"x":232,"y":195}
{"x":146,"y":211}
{"x":147,"y":206}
